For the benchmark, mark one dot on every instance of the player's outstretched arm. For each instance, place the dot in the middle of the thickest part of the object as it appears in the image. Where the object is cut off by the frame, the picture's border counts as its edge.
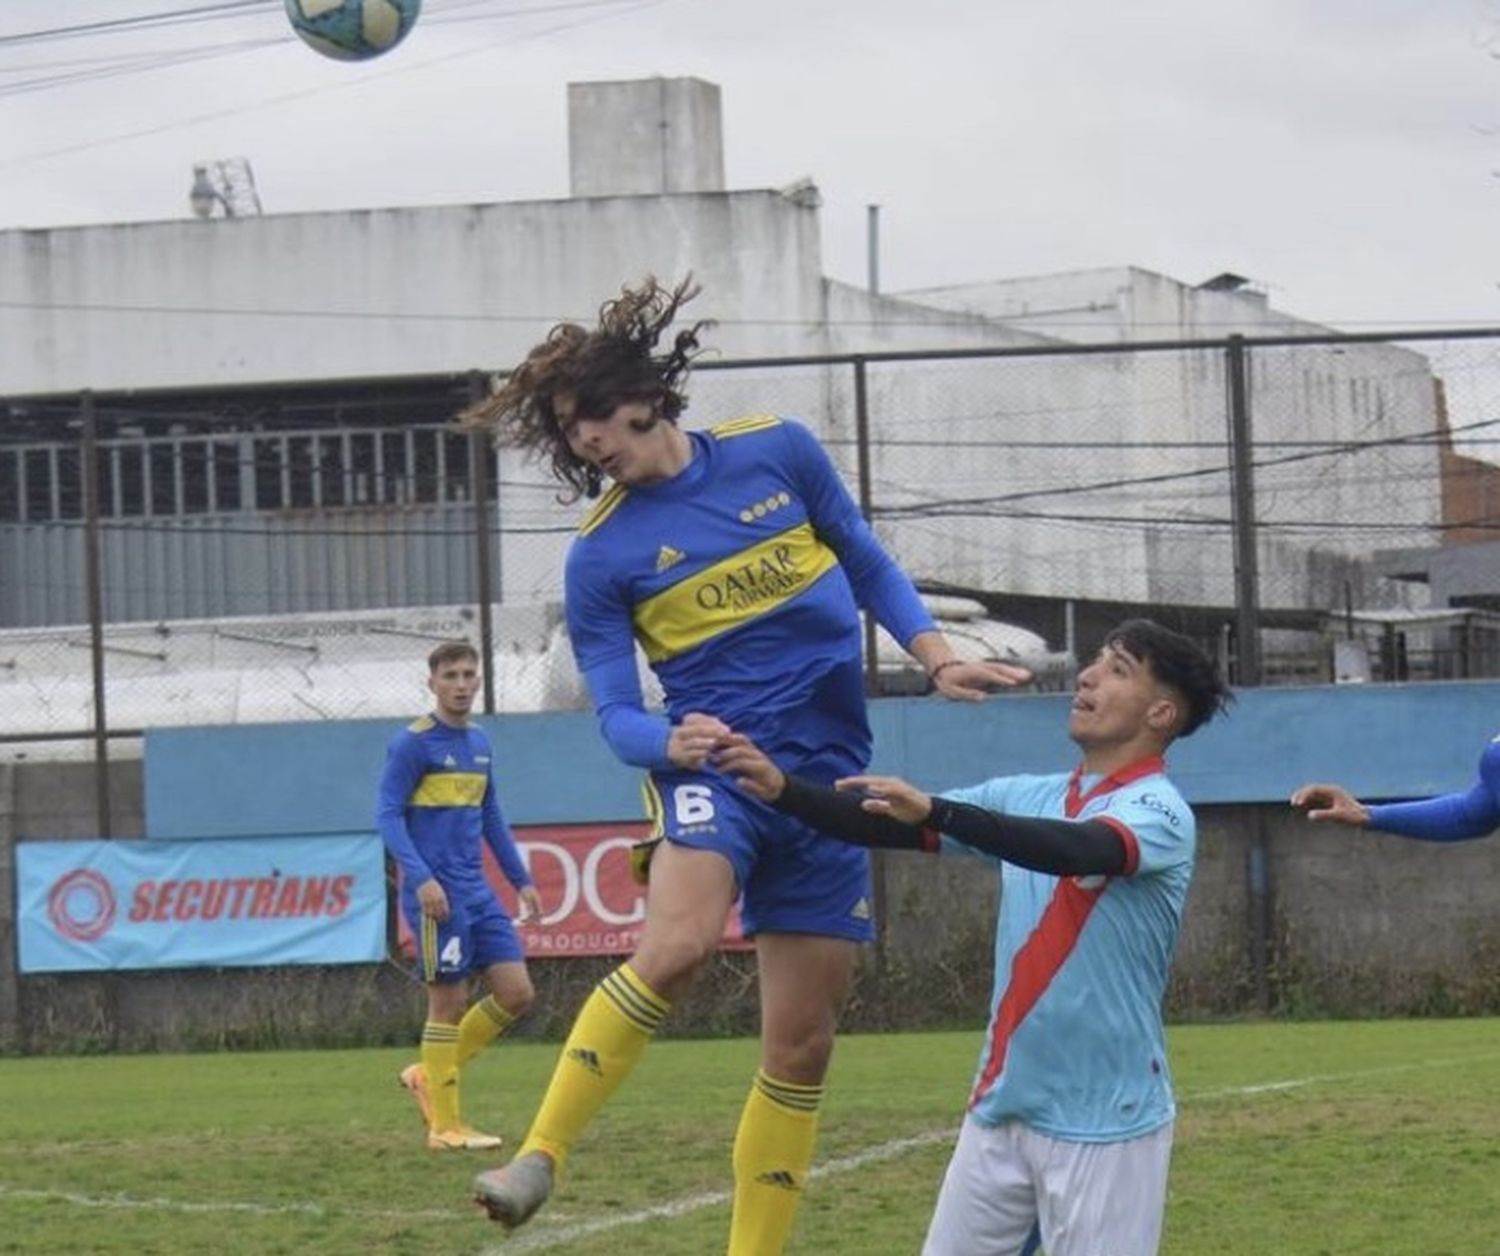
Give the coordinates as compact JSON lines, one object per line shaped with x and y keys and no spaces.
{"x":839,"y":815}
{"x":886,"y":812}
{"x":889,"y":796}
{"x":1445,"y":818}
{"x":880,"y":585}
{"x":1060,"y":847}
{"x":963,"y":680}
{"x":1330,"y":802}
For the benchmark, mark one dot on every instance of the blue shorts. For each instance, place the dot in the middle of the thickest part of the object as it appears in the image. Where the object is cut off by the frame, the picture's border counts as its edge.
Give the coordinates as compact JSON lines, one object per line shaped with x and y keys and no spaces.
{"x":476,"y":934}
{"x":794,"y":880}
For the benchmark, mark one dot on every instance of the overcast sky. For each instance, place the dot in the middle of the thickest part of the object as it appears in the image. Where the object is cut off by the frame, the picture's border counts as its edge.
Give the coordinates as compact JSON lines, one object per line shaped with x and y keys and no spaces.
{"x":1340,"y":153}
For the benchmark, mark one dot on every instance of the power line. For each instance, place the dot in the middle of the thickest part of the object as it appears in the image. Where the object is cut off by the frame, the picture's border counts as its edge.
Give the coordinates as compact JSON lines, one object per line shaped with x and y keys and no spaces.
{"x":618,"y":8}
{"x":88,"y":70}
{"x":141,"y":21}
{"x":1062,"y":349}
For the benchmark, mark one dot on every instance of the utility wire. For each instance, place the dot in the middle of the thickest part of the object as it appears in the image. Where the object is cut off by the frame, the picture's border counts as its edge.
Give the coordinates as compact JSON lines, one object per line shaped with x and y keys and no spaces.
{"x":141,"y":21}
{"x":618,"y":8}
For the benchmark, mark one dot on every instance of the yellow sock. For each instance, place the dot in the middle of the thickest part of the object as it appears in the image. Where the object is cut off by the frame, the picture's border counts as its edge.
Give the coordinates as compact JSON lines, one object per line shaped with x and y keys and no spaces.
{"x":440,"y":1063}
{"x":482,"y":1024}
{"x":772,"y":1152}
{"x":607,"y":1039}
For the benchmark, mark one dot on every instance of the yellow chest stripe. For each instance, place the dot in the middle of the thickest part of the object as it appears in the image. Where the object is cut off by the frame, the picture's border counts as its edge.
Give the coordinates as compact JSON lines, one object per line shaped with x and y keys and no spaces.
{"x":731,"y":592}
{"x":449,"y":789}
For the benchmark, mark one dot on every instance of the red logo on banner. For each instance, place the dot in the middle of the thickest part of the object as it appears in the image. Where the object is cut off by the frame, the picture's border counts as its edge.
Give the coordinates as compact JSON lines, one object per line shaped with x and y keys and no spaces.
{"x":81,"y":905}
{"x":591,"y":904}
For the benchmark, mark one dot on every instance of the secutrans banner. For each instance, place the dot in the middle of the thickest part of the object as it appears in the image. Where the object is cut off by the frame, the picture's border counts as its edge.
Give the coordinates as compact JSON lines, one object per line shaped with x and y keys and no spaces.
{"x":591,"y":904}
{"x":93,"y":905}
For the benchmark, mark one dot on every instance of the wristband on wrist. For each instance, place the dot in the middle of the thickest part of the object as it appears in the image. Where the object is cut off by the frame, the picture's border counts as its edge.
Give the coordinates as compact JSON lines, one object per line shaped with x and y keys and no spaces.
{"x":942,"y":667}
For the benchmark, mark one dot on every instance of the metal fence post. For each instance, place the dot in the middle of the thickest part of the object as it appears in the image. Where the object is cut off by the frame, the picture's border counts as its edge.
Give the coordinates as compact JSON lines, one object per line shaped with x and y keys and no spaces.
{"x":1242,"y":508}
{"x":878,"y":869}
{"x":866,"y":506}
{"x":1259,"y":899}
{"x":95,"y":595}
{"x":480,"y":453}
{"x":11,"y":1020}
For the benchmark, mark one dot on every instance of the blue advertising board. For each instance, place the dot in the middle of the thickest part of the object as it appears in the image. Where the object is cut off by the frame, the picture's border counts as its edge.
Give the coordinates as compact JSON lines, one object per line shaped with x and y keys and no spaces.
{"x":91,"y":905}
{"x":1382,"y":741}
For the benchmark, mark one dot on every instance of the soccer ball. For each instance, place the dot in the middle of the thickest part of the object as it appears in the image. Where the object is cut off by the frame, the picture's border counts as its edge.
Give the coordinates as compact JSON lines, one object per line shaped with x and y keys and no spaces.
{"x":352,"y":30}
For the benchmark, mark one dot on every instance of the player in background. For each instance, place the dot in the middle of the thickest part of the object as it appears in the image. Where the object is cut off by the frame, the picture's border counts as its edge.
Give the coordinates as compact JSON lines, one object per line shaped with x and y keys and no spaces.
{"x":1069,"y":1126}
{"x":1458,"y":817}
{"x":437,"y":801}
{"x":736,"y":560}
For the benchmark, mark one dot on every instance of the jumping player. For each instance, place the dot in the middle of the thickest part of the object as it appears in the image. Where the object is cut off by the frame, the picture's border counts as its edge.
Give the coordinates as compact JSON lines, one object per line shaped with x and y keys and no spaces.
{"x":437,"y":799}
{"x":737,"y":561}
{"x":1069,"y":1127}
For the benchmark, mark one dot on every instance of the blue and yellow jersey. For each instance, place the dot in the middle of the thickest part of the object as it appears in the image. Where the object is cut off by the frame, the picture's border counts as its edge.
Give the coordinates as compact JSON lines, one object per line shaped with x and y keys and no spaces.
{"x":741,"y":579}
{"x":437,"y":800}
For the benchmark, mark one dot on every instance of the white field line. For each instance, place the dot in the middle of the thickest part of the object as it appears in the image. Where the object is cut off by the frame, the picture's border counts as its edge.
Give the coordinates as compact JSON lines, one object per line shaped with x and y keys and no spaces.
{"x":1316,"y":1079}
{"x":554,"y":1229}
{"x":543,"y":1240}
{"x":232,"y":1206}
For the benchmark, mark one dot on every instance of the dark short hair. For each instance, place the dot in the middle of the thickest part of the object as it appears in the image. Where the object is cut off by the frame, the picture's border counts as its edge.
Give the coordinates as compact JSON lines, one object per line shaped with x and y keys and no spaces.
{"x":451,"y":652}
{"x":1178,"y":662}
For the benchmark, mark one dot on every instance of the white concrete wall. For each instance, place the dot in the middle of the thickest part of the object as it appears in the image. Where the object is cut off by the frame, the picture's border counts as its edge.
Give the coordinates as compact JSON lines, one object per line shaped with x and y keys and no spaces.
{"x":386,"y":292}
{"x":1115,"y":303}
{"x":645,"y":137}
{"x":397,"y":292}
{"x":1377,"y":396}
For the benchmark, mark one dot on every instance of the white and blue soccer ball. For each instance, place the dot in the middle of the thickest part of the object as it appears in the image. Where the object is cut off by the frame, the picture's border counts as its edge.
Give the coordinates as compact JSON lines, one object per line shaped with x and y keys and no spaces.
{"x":352,"y":30}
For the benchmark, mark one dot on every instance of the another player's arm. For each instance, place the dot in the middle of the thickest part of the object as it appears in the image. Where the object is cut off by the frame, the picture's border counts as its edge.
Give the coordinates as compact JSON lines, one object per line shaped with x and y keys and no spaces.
{"x":404,"y":769}
{"x":886,"y":812}
{"x":1446,"y":818}
{"x":879,"y":583}
{"x":603,"y":641}
{"x":1458,"y":817}
{"x":503,"y":843}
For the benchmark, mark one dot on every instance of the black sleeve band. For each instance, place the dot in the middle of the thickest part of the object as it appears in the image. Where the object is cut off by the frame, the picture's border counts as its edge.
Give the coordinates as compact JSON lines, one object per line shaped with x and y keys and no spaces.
{"x":1065,"y":848}
{"x":841,"y":816}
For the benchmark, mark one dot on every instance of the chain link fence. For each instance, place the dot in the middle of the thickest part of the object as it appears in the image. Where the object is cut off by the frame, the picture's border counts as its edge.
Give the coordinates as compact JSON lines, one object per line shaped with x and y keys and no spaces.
{"x":292,"y":552}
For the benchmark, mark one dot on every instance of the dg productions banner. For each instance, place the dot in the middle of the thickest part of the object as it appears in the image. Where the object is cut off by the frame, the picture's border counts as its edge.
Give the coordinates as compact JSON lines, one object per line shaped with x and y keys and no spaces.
{"x":591,"y":904}
{"x":183,"y":904}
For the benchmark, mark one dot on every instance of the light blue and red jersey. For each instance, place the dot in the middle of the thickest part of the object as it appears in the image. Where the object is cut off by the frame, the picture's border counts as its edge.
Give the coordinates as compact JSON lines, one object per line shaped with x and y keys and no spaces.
{"x":1075,"y":1046}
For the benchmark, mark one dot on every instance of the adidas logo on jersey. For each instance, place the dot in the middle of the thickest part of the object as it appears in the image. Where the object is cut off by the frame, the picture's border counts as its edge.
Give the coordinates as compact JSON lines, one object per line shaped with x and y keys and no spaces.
{"x":449,"y":761}
{"x":584,"y":1057}
{"x":861,"y":910}
{"x":668,"y":556}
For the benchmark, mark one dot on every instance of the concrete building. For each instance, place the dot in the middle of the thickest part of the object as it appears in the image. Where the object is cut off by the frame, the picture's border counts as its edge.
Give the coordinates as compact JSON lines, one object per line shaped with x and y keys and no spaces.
{"x":274,"y":389}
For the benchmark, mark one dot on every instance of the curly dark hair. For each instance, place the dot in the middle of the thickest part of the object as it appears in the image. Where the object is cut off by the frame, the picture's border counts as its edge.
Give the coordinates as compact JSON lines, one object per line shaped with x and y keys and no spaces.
{"x":613,"y":365}
{"x":1179,"y":662}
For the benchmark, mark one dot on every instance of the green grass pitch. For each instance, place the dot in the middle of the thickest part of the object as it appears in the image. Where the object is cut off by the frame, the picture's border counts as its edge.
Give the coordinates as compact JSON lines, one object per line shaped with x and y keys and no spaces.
{"x":1308,"y":1139}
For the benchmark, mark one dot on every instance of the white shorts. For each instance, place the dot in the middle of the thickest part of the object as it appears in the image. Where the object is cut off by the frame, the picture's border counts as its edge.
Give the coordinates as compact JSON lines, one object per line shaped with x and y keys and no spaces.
{"x":1088,"y":1199}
